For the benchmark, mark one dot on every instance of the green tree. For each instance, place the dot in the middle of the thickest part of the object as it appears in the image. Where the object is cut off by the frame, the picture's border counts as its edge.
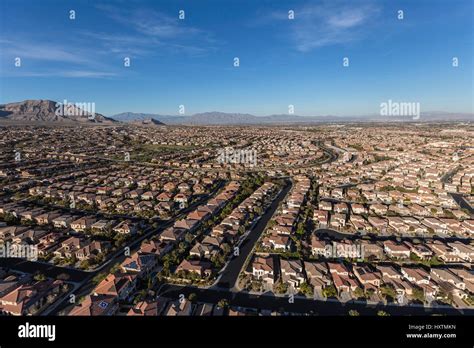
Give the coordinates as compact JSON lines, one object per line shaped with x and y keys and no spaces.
{"x":281,"y":288}
{"x":330,"y":291}
{"x":85,"y":264}
{"x":99,"y":277}
{"x":223,"y":303}
{"x":388,"y":292}
{"x":115,"y":268}
{"x":306,"y":289}
{"x":300,"y":229}
{"x":225,"y":248}
{"x":39,"y":277}
{"x":188,"y":238}
{"x":359,"y":293}
{"x":149,"y":283}
{"x":418,"y":295}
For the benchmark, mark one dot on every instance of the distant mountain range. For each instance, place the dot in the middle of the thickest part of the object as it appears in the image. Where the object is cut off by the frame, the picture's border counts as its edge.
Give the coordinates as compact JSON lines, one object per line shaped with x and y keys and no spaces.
{"x":33,"y":111}
{"x":135,"y":116}
{"x":222,"y":118}
{"x":219,"y":118}
{"x":148,"y":122}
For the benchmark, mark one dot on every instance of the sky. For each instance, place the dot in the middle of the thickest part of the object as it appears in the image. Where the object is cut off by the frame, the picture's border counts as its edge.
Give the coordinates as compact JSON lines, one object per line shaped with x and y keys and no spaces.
{"x":282,"y":61}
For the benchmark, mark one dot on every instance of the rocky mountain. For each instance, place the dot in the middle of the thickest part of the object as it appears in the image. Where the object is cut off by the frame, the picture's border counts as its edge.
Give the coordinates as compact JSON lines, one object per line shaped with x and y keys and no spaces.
{"x":215,"y":118}
{"x":132,"y":116}
{"x":222,"y":118}
{"x":51,"y":111}
{"x":150,"y":122}
{"x":135,"y":116}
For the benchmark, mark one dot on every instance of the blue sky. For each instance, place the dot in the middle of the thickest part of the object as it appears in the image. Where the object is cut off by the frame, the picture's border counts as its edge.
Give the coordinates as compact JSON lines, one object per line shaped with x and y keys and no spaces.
{"x":190,"y":62}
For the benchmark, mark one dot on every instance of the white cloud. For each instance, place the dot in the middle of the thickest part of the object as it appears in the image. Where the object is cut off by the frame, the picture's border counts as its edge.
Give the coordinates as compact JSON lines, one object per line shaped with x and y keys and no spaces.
{"x":137,"y":32}
{"x":146,"y":27}
{"x":329,"y":23}
{"x":347,"y":19}
{"x":86,"y":73}
{"x":61,"y":73}
{"x":43,"y":51}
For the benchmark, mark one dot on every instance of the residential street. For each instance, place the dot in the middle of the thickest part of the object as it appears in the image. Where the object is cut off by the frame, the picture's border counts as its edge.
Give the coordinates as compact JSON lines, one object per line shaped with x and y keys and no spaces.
{"x":301,"y":305}
{"x":229,"y":276}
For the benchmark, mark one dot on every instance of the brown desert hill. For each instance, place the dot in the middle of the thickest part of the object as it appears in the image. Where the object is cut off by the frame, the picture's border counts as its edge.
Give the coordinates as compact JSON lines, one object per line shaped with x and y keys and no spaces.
{"x":51,"y":111}
{"x":147,"y":123}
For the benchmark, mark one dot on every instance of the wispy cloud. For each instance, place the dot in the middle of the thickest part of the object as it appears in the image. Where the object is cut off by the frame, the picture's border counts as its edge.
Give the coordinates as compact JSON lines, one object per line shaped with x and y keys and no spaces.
{"x":329,"y":23}
{"x":146,"y":27}
{"x":120,"y":44}
{"x":87,"y":74}
{"x":62,"y":73}
{"x":43,"y":51}
{"x":135,"y":32}
{"x":52,"y":59}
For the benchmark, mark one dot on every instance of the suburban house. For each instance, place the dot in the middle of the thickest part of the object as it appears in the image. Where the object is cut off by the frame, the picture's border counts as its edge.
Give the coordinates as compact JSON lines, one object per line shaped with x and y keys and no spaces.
{"x":202,"y":268}
{"x":81,"y":224}
{"x":144,"y":308}
{"x":396,"y":250}
{"x":126,"y":227}
{"x":119,"y":285}
{"x":141,"y":264}
{"x":263,"y":268}
{"x":172,"y":234}
{"x":92,"y":305}
{"x":416,"y":275}
{"x":317,"y":274}
{"x":91,"y":250}
{"x":69,"y":247}
{"x":367,"y":277}
{"x":28,"y":298}
{"x":318,"y":247}
{"x":277,"y":242}
{"x":292,"y":272}
{"x":203,"y":250}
